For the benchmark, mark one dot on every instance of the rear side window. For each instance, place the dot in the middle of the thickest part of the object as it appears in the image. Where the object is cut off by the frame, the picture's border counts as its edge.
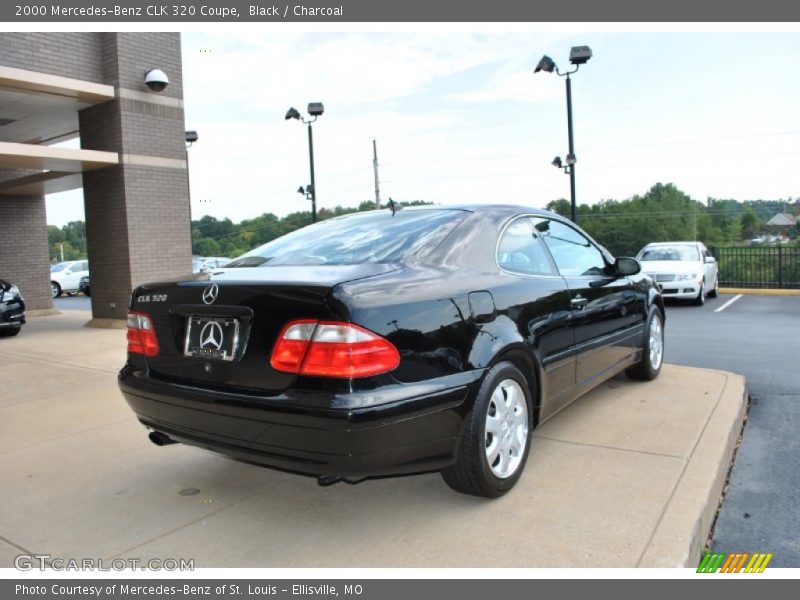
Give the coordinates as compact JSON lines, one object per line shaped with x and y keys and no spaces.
{"x":375,"y":237}
{"x":520,"y":250}
{"x":573,"y":253}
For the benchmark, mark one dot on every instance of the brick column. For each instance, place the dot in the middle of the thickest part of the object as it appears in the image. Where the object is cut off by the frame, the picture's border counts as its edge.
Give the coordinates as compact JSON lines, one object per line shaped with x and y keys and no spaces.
{"x":24,"y":252}
{"x":137,"y":214}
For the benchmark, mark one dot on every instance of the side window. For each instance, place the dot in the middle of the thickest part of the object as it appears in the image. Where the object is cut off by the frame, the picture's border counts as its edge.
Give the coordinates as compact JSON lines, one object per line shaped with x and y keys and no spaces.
{"x":521,"y":251}
{"x":573,"y":253}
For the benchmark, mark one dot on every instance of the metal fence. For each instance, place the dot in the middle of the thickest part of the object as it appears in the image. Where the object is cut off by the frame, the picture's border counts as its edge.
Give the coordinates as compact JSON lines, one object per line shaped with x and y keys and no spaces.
{"x":775,"y":266}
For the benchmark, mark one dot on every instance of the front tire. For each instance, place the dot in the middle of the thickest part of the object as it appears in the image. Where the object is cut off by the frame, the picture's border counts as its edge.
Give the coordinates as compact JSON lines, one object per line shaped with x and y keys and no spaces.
{"x":714,"y":292}
{"x":10,"y":331}
{"x":701,"y":295}
{"x":649,"y":366}
{"x":495,"y":443}
{"x":55,"y":289}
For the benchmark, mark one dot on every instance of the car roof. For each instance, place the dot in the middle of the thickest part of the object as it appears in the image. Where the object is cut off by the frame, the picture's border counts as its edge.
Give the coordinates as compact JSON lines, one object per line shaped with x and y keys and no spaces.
{"x":479,"y":208}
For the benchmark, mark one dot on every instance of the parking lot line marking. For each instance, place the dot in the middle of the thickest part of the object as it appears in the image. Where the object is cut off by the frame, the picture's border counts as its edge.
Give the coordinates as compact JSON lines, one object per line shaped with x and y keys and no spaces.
{"x":729,"y":302}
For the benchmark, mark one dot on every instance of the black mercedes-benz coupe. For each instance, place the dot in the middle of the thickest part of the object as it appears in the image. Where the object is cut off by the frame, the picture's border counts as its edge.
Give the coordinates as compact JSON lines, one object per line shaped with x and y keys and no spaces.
{"x":12,"y":309}
{"x":392,"y":342}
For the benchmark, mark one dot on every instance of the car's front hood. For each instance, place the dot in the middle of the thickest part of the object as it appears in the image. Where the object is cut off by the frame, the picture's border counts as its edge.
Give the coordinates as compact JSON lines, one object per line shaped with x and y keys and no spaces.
{"x":671,"y":266}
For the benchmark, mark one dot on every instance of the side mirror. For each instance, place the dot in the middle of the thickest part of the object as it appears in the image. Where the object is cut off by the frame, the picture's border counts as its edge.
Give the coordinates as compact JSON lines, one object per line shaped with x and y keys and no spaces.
{"x":625,"y":266}
{"x":710,"y":260}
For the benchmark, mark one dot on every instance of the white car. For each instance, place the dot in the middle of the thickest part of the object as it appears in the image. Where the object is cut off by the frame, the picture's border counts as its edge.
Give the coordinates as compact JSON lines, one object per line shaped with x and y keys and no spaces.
{"x":65,"y":277}
{"x":204,"y":264}
{"x":213,"y":262}
{"x":683,"y":269}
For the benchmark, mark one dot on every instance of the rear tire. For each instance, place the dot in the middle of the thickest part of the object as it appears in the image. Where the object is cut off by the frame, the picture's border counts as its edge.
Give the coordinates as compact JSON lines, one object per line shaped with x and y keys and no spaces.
{"x":494,"y":446}
{"x":649,"y":367}
{"x":55,"y":289}
{"x":10,"y":331}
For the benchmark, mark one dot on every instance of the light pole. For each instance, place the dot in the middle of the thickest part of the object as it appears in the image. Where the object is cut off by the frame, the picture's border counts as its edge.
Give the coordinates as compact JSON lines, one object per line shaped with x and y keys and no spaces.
{"x":191,"y":137}
{"x":315,"y":109}
{"x":578,"y":55}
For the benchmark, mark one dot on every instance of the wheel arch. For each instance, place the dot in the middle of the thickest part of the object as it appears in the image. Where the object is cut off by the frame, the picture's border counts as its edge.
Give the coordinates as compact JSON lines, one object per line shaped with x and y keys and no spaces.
{"x":521,"y":357}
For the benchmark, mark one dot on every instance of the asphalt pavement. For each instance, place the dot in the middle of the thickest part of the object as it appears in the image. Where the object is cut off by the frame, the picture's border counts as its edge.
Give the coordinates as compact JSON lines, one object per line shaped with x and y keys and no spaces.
{"x":77,"y":302}
{"x":758,"y":337}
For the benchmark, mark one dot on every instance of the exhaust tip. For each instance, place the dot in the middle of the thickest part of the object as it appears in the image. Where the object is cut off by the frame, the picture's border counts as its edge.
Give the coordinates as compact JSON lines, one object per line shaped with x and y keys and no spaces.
{"x":160,"y":439}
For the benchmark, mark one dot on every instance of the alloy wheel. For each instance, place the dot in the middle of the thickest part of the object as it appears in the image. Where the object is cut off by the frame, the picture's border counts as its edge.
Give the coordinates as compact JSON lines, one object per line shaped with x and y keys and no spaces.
{"x":506,"y":429}
{"x":656,"y":342}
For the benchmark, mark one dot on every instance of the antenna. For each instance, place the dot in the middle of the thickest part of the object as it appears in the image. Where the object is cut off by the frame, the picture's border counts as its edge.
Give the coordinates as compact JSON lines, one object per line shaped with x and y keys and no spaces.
{"x":394,"y":206}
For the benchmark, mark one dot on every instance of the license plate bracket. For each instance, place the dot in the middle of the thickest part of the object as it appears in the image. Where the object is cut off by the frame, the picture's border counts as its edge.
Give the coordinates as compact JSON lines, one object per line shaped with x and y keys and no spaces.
{"x":215,"y":338}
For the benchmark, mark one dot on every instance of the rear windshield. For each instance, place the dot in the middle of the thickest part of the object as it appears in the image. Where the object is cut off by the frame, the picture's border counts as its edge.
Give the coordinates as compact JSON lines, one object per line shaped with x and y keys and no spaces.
{"x":374,"y":237}
{"x":670,"y":253}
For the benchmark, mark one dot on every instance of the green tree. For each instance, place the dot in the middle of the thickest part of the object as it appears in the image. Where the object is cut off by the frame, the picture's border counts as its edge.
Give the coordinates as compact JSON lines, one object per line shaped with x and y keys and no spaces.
{"x":206,"y":247}
{"x":748,"y":223}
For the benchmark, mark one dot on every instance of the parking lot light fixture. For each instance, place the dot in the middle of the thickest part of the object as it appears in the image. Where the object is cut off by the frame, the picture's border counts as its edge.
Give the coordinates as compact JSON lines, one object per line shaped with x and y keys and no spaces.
{"x":578,"y":56}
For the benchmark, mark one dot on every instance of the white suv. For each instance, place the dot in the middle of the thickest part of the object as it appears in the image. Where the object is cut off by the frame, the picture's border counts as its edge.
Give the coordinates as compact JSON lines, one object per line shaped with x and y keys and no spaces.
{"x":682,"y":269}
{"x":66,"y":276}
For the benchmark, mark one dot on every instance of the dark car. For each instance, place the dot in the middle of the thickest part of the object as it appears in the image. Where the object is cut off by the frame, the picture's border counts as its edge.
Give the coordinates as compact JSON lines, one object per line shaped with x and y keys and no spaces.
{"x":12,"y":309}
{"x":387,"y":343}
{"x":84,"y":286}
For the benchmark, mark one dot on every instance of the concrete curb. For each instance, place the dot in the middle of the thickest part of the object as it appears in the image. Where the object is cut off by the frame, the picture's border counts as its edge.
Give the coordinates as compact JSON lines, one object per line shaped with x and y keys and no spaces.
{"x":695,"y":500}
{"x":760,"y":291}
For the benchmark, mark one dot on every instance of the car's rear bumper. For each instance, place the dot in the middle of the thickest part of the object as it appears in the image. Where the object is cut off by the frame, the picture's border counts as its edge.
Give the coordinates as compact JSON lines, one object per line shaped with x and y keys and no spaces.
{"x":416,"y":433}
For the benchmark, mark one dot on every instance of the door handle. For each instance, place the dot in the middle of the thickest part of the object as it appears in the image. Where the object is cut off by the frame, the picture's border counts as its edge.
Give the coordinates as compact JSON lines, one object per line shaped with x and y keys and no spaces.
{"x":578,"y":302}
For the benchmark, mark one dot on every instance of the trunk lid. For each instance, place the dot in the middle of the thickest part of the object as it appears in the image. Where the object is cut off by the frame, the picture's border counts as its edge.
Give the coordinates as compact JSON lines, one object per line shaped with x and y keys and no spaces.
{"x":250,"y":304}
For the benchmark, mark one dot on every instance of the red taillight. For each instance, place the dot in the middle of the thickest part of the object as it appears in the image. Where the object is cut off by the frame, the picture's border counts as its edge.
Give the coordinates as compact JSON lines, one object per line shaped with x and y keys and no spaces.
{"x":332,"y":349}
{"x":141,"y":335}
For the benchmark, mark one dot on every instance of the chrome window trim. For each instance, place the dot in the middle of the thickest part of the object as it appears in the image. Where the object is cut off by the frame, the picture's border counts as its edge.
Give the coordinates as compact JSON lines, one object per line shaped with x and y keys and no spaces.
{"x":547,"y":250}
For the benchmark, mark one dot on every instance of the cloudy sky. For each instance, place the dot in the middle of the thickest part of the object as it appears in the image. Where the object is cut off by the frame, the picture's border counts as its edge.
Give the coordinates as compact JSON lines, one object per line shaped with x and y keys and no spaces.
{"x":460,"y":117}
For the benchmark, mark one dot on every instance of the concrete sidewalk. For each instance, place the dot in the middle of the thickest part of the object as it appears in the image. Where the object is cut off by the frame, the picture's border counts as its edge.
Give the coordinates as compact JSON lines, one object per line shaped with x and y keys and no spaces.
{"x":630,"y":475}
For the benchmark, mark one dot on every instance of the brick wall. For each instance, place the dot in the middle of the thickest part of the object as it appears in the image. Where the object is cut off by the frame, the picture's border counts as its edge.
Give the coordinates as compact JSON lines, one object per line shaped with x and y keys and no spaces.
{"x":128,"y":55}
{"x":137,"y":217}
{"x":76,"y":55}
{"x":24,"y":252}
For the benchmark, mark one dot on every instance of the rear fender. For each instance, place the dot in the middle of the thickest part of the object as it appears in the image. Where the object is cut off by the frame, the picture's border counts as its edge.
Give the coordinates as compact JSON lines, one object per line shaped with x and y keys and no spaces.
{"x":501,"y":340}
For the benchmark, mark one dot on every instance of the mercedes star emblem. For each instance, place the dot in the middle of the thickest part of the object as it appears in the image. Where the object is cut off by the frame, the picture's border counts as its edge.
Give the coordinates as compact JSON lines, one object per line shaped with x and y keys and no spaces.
{"x":210,"y":293}
{"x":211,"y":336}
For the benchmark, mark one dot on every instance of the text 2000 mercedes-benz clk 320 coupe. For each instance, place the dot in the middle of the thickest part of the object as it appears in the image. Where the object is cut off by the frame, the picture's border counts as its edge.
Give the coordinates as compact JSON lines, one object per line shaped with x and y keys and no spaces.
{"x":386,"y":343}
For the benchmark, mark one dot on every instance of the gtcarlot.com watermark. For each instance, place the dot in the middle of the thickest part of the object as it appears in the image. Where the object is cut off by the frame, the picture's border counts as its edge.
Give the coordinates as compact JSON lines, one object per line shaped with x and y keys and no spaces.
{"x":44,"y":562}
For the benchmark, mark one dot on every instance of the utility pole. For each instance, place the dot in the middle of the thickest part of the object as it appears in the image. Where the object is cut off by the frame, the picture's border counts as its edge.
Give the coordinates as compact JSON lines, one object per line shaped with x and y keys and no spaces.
{"x":375,"y":170}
